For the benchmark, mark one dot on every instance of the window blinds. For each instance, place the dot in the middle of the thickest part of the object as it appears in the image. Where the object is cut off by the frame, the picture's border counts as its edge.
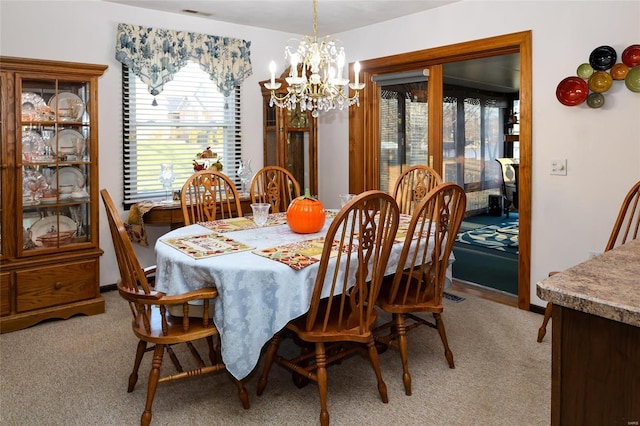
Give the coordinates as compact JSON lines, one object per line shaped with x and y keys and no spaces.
{"x":189,"y":116}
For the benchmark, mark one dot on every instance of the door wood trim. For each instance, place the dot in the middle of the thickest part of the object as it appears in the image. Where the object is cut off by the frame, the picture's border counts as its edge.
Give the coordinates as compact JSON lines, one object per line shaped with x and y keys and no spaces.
{"x":364,"y":126}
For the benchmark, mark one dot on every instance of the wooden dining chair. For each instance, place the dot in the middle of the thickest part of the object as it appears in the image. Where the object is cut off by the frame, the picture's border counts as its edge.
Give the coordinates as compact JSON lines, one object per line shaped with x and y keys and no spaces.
{"x":418,"y":284}
{"x":152,"y":323}
{"x":209,"y":195}
{"x":342,"y":308}
{"x":276,"y":186}
{"x":626,"y":228}
{"x":413,"y":185}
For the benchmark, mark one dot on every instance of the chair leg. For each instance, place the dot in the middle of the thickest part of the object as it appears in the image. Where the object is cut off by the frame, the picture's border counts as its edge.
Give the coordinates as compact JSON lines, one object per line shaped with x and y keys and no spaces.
{"x":401,"y":332}
{"x":133,"y":377}
{"x":543,"y":328}
{"x":321,"y":374}
{"x":443,"y":336}
{"x":154,"y":376}
{"x":213,"y":350}
{"x":375,"y":363}
{"x":268,"y":361}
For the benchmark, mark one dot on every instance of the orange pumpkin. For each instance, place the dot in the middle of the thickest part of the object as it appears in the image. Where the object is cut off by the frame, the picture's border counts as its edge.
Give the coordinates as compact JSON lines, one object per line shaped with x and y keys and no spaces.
{"x":305,"y":214}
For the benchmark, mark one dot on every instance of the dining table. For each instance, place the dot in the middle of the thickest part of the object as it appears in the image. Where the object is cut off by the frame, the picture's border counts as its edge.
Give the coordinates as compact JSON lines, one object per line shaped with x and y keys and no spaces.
{"x":264,"y":276}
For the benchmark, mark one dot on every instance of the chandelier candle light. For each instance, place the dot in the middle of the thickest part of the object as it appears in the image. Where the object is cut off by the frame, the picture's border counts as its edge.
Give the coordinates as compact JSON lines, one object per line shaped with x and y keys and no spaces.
{"x":325,"y":88}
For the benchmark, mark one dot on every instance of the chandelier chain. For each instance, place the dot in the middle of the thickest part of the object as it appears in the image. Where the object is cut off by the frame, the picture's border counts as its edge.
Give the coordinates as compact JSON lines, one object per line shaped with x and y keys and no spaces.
{"x":315,"y":20}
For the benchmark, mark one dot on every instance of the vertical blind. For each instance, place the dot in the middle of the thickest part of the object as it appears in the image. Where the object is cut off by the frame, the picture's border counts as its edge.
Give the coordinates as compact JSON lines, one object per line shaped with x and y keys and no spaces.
{"x":189,"y":116}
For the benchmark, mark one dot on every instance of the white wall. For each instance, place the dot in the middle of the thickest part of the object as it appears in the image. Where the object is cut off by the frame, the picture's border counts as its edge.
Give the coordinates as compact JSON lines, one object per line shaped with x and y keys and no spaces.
{"x":85,"y":31}
{"x":572,"y":215}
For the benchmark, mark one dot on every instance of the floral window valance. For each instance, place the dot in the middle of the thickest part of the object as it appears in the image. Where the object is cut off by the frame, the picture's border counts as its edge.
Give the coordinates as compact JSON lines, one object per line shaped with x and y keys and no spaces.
{"x":155,"y":55}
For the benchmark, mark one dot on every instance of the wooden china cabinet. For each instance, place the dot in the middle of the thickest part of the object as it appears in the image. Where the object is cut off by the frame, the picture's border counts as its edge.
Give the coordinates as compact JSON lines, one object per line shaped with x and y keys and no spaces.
{"x":290,"y":139}
{"x":49,"y":250}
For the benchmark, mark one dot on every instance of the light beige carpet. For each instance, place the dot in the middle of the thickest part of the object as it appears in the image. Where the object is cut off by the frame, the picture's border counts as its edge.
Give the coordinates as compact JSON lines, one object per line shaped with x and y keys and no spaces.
{"x":75,"y":372}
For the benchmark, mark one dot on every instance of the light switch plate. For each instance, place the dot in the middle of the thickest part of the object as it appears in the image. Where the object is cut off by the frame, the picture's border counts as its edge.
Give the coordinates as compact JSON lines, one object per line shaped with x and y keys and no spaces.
{"x":558,"y":167}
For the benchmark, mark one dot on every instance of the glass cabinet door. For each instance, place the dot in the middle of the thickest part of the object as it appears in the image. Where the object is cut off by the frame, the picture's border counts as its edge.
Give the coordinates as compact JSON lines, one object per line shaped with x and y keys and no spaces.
{"x":53,"y":146}
{"x":290,"y":140}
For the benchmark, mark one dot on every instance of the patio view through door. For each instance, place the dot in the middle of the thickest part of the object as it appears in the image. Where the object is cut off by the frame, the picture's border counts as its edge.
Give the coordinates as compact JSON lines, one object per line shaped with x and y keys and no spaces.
{"x":473,"y":123}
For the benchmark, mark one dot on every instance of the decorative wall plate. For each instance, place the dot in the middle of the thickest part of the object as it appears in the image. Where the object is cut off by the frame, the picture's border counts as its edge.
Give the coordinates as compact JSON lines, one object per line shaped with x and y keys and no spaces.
{"x":602,"y":58}
{"x":632,"y":80}
{"x":600,"y":82}
{"x":595,"y":100}
{"x":631,"y":56}
{"x":619,"y":71}
{"x":572,"y":91}
{"x":584,"y":71}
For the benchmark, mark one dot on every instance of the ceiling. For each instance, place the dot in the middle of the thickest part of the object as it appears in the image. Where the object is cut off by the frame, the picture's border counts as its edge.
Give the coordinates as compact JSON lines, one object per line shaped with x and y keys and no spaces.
{"x":498,"y":73}
{"x":294,"y":16}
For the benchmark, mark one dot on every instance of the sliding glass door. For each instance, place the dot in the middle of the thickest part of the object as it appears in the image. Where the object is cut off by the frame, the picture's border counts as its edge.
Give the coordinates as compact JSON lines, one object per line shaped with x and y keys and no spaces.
{"x":473,"y":135}
{"x":403,"y":119}
{"x":502,"y":62}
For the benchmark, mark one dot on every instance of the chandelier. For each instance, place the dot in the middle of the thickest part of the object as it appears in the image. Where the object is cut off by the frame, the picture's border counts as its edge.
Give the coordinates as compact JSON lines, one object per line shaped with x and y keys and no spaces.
{"x":315,"y":81}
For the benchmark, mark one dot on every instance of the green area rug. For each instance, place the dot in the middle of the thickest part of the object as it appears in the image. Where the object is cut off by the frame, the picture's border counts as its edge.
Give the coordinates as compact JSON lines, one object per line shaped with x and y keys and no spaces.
{"x":502,"y":237}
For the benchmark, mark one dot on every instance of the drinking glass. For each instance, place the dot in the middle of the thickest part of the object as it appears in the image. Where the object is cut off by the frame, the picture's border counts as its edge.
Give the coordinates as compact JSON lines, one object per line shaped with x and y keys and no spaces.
{"x":345,"y":198}
{"x":260,"y":213}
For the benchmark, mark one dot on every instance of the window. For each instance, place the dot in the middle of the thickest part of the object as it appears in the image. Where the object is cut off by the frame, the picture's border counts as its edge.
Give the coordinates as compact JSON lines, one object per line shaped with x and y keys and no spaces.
{"x":187,"y":117}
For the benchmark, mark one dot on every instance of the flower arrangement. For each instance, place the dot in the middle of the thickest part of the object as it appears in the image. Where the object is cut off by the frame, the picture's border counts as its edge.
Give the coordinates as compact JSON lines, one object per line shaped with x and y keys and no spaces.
{"x":208,"y":157}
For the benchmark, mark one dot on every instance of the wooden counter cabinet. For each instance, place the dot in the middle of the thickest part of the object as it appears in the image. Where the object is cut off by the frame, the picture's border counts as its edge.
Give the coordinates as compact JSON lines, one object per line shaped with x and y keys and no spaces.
{"x":595,"y":367}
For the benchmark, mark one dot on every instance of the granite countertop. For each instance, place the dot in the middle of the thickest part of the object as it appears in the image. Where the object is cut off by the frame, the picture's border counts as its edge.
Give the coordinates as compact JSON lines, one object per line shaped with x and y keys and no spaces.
{"x":607,"y":285}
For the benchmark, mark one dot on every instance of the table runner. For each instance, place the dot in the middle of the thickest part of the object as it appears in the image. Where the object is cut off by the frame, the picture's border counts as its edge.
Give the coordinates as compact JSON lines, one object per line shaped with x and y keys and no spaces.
{"x":206,"y":245}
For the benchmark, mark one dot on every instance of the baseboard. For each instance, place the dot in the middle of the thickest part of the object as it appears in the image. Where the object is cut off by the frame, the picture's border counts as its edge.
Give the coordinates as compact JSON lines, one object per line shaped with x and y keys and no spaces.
{"x":108,"y":287}
{"x":485,"y":292}
{"x":537,"y":309}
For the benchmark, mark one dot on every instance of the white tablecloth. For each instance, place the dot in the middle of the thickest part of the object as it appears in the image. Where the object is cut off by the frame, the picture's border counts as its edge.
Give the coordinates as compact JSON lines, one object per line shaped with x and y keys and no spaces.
{"x":257,"y":296}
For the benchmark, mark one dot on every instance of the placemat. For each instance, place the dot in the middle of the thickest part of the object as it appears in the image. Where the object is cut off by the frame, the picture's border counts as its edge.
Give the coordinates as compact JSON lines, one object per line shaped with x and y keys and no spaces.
{"x":206,"y":245}
{"x":299,"y":255}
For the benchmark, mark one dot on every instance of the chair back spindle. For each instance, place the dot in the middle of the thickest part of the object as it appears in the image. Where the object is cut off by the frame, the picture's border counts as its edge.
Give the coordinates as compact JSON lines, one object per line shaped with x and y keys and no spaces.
{"x":209,"y":195}
{"x":276,"y":186}
{"x":413,"y":185}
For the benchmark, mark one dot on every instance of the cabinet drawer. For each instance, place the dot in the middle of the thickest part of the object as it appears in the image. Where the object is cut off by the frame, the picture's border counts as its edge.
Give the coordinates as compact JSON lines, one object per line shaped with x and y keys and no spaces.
{"x":5,"y":293}
{"x":56,"y":285}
